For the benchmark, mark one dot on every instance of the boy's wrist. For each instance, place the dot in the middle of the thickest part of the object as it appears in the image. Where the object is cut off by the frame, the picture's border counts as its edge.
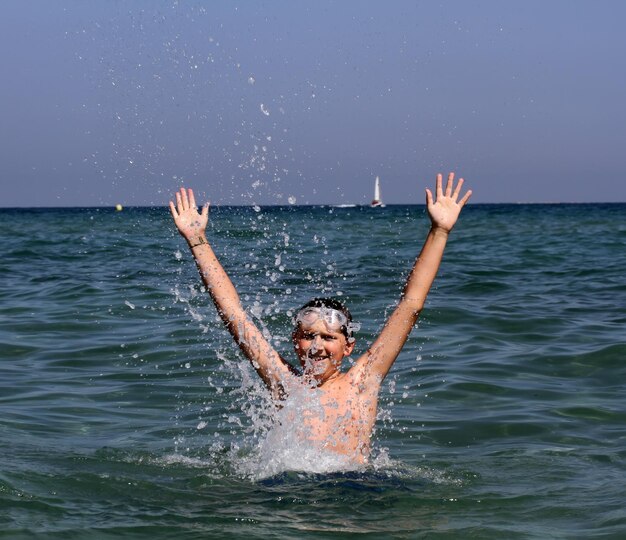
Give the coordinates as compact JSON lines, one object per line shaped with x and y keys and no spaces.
{"x":439,"y":231}
{"x":197,"y":240}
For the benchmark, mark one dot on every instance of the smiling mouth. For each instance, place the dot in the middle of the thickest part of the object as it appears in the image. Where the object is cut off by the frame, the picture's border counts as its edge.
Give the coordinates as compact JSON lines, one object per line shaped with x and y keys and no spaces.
{"x":317,"y":358}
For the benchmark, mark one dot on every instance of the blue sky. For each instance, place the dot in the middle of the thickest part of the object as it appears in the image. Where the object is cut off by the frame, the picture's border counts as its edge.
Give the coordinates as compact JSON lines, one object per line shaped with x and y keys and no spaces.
{"x":306,"y":102}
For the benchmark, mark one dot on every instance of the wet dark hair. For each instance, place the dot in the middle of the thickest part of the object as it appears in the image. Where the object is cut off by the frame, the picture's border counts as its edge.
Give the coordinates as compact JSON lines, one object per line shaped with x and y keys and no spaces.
{"x":331,"y":303}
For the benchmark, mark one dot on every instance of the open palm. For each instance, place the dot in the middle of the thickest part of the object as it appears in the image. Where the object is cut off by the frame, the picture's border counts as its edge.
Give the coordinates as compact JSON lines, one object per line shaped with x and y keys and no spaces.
{"x":189,"y":222}
{"x":445,"y":210}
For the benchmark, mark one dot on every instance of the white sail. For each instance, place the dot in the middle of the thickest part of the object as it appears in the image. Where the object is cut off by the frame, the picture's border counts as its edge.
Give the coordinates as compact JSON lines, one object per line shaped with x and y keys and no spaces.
{"x":377,"y":201}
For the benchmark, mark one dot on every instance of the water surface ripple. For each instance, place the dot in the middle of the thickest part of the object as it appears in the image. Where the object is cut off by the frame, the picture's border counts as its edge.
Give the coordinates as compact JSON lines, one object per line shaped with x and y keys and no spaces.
{"x":127,"y":413}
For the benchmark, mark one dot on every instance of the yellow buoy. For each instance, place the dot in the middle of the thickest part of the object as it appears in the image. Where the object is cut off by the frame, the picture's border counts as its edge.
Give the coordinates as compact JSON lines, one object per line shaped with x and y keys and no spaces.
{"x":119,"y":207}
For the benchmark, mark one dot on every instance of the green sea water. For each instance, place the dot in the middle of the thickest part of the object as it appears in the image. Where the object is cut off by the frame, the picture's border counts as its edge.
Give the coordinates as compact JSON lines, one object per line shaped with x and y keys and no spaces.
{"x":127,"y":412}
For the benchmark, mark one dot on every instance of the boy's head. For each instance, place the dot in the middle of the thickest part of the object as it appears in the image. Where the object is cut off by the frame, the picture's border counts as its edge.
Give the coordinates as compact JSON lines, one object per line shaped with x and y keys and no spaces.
{"x":322,"y":336}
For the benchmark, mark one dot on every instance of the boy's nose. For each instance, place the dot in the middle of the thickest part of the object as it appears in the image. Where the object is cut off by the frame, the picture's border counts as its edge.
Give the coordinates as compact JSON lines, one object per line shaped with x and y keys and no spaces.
{"x":316,"y":345}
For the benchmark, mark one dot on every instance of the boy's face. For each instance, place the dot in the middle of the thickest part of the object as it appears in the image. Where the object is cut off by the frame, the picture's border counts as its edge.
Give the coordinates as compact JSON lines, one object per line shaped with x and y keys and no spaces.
{"x":320,"y":349}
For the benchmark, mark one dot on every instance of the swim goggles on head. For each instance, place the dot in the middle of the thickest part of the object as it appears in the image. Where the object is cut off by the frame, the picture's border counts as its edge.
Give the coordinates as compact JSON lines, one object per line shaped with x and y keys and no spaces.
{"x":334,"y":319}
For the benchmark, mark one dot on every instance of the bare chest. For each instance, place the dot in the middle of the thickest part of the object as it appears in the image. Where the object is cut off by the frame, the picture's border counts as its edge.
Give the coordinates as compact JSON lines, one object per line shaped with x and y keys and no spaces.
{"x":341,"y":418}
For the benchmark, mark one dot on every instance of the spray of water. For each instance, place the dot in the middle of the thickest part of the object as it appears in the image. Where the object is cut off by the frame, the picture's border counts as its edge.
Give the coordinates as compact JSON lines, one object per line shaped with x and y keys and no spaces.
{"x":280,"y":441}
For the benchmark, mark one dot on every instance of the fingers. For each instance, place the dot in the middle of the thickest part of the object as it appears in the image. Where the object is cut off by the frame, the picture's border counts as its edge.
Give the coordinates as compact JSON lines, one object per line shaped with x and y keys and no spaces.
{"x":173,"y":210}
{"x":429,"y":197}
{"x":457,"y":191}
{"x":465,"y":198}
{"x":449,"y":184}
{"x":185,"y":198}
{"x":205,"y":208}
{"x":451,"y":191}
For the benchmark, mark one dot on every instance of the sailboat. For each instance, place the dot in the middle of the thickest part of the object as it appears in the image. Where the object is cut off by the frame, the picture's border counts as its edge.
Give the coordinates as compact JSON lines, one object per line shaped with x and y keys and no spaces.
{"x":377,"y":201}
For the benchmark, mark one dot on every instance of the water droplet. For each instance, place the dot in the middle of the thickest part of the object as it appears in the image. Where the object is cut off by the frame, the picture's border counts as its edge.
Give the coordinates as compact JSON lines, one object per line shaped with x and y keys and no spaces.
{"x":251,"y":80}
{"x":264,"y":110}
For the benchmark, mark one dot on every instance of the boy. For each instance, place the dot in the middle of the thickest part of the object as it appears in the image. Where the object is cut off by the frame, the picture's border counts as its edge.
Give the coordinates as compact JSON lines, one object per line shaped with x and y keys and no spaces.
{"x":343,"y":419}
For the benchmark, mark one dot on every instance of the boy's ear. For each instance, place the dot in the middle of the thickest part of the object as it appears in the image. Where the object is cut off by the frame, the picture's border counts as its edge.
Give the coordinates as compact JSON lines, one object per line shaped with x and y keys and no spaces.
{"x":349,"y":347}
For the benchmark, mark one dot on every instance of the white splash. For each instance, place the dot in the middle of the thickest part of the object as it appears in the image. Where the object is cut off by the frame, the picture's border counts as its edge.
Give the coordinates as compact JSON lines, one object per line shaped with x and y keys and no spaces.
{"x":281,"y":441}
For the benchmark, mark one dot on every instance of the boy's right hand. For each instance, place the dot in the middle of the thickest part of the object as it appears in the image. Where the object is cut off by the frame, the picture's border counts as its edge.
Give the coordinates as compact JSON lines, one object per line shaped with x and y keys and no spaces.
{"x":190,"y":223}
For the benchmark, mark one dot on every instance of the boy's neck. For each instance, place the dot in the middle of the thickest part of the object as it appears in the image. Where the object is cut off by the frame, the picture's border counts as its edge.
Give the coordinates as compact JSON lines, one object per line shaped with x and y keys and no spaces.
{"x":318,"y":381}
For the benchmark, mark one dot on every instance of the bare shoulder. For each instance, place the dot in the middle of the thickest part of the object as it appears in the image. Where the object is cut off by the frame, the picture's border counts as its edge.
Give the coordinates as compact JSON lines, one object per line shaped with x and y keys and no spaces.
{"x":362,"y":376}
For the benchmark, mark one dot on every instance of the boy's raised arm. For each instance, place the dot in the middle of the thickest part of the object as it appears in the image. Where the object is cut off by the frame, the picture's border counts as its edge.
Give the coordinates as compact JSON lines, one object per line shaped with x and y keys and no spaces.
{"x":443,"y":212}
{"x":192,"y":226}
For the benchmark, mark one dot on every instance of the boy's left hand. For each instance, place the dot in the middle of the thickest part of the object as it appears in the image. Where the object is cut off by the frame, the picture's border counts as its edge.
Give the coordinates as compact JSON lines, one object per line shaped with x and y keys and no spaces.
{"x":445,"y":210}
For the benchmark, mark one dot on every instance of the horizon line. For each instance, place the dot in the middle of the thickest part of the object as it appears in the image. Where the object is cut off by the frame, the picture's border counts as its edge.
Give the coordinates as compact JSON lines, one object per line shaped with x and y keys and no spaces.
{"x":308,"y":205}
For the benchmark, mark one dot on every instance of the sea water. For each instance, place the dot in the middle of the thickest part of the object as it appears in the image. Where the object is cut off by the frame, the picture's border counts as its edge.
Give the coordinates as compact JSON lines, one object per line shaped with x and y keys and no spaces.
{"x":127,"y":411}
